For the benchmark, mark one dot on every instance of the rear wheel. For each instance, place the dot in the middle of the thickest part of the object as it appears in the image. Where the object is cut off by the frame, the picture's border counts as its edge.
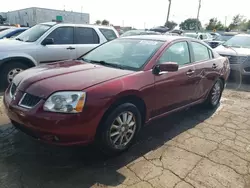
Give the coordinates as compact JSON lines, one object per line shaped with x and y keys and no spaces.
{"x":9,"y":71}
{"x":120,"y":129}
{"x":214,"y":96}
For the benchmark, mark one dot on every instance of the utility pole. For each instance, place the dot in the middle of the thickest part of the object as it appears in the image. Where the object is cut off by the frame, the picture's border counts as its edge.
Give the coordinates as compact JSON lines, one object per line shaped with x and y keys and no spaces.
{"x":169,"y":7}
{"x":226,"y":21}
{"x":198,"y":14}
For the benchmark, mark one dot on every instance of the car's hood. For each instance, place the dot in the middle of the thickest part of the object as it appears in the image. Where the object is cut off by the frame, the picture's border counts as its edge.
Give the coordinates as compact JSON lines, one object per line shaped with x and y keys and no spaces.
{"x":66,"y":75}
{"x":10,"y":45}
{"x":232,"y":51}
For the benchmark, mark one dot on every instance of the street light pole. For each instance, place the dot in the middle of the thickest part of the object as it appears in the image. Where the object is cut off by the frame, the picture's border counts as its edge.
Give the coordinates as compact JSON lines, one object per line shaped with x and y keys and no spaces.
{"x":169,"y":7}
{"x":198,"y":14}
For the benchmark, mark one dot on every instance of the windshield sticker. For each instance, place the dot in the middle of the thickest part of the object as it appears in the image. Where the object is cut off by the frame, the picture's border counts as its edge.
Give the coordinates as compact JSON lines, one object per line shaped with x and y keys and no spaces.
{"x":148,"y":42}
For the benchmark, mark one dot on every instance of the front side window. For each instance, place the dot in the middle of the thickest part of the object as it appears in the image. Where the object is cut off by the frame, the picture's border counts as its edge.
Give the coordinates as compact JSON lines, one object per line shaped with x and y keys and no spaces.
{"x":201,"y":52}
{"x":86,"y":35}
{"x":178,"y":53}
{"x":62,"y":35}
{"x":34,"y":33}
{"x":126,"y":53}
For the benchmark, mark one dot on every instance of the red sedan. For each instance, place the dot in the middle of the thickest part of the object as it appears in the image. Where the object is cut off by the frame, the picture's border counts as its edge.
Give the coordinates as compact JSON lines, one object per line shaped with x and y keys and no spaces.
{"x":111,"y":92}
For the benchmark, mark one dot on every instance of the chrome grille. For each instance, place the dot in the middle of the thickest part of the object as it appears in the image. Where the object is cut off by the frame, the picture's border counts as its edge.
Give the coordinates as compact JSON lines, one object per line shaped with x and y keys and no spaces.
{"x":236,"y":59}
{"x":13,"y":88}
{"x":29,"y":101}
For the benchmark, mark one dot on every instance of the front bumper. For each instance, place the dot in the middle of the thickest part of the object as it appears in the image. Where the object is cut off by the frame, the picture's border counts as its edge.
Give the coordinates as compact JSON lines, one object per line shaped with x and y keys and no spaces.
{"x":243,"y":68}
{"x":53,"y":128}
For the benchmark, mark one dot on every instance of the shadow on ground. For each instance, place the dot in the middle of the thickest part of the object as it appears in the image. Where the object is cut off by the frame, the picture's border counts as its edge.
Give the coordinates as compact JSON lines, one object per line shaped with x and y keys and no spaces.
{"x":28,"y":163}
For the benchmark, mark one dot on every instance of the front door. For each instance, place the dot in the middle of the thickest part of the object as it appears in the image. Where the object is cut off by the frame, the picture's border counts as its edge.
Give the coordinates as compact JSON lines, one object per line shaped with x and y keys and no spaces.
{"x":62,"y":49}
{"x":175,"y":89}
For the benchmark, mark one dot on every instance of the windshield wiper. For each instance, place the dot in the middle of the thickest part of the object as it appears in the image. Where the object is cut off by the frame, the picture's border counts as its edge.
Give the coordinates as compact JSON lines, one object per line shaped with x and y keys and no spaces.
{"x":104,"y":63}
{"x":19,"y":39}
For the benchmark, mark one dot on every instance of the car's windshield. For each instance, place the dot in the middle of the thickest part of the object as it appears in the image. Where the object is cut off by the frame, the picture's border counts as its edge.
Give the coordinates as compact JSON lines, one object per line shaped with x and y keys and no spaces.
{"x":129,"y":54}
{"x":34,"y":33}
{"x":223,"y":37}
{"x":239,"y":41}
{"x":5,"y":32}
{"x":192,"y":35}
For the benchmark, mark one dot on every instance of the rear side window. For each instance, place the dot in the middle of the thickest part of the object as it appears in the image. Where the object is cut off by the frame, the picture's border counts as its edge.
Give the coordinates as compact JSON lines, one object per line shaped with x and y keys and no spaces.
{"x":86,"y":35}
{"x":109,"y":34}
{"x":201,"y":52}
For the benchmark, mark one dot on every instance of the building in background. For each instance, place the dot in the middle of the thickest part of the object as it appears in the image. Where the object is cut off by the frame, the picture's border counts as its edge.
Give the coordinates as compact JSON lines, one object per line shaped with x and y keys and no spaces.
{"x":34,"y":15}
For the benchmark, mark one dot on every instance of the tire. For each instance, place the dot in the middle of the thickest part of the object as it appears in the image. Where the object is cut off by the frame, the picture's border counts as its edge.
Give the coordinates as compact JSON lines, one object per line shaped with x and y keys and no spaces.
{"x":104,"y":138}
{"x":7,"y":68}
{"x":217,"y":90}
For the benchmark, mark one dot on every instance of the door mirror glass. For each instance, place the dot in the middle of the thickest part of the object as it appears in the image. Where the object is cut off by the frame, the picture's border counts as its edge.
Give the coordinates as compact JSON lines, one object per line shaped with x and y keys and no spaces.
{"x":166,"y":67}
{"x":48,"y":41}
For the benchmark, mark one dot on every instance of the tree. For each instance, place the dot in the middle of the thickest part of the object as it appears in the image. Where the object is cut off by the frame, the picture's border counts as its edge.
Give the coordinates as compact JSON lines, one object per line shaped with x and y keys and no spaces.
{"x":190,"y":24}
{"x":170,"y":24}
{"x":105,"y":22}
{"x":215,"y":24}
{"x":98,"y":22}
{"x":237,"y":21}
{"x":2,"y":19}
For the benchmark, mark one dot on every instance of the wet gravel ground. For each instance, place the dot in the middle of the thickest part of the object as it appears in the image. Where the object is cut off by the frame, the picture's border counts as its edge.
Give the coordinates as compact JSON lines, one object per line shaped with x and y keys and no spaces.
{"x":193,"y":148}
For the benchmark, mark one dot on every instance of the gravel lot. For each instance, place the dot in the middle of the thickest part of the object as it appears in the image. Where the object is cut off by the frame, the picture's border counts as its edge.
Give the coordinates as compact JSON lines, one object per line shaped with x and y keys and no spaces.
{"x":194,"y":148}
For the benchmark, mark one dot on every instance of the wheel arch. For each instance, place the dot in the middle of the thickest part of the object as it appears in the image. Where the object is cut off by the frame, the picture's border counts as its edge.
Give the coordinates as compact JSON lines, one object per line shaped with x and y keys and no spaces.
{"x":25,"y":60}
{"x":132,"y":97}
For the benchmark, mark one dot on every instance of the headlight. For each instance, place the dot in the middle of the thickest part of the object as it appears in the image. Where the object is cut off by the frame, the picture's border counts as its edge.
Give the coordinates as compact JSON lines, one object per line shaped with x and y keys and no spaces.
{"x":65,"y":102}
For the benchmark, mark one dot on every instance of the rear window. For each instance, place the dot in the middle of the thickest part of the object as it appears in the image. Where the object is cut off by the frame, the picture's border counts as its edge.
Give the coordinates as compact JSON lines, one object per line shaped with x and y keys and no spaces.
{"x":109,"y":34}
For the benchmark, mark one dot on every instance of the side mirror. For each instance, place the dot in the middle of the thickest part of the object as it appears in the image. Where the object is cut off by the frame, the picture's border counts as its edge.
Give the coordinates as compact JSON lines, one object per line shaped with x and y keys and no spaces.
{"x":166,"y":67}
{"x":48,"y":41}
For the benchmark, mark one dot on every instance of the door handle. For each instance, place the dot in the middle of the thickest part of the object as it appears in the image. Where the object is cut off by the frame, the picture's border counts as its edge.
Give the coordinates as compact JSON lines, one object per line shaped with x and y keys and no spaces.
{"x":70,"y":48}
{"x":214,"y":66}
{"x":190,"y":72}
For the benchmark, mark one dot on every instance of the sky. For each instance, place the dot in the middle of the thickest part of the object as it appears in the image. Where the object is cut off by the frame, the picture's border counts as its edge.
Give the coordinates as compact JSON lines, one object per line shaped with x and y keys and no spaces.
{"x":139,"y":13}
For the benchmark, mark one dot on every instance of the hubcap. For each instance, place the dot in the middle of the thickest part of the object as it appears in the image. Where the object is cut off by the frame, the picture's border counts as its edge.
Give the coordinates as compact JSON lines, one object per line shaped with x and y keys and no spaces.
{"x":123,"y":129}
{"x":13,"y":73}
{"x":216,"y":92}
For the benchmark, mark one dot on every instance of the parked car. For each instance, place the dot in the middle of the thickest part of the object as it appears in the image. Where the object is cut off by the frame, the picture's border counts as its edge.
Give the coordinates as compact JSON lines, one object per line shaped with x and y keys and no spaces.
{"x":139,"y":32}
{"x":214,"y":34}
{"x":140,"y":78}
{"x":49,"y":42}
{"x":221,"y":39}
{"x":206,"y":37}
{"x":3,"y":27}
{"x":12,"y":32}
{"x":237,"y":50}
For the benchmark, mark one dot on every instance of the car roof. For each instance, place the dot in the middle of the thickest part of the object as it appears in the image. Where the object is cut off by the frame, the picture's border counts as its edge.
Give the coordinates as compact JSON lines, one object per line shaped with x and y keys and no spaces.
{"x":83,"y":25}
{"x":243,"y":35}
{"x":163,"y":38}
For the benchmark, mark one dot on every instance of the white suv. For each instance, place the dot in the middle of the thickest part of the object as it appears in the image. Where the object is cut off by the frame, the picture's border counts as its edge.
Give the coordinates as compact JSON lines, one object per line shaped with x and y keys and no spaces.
{"x":49,"y":42}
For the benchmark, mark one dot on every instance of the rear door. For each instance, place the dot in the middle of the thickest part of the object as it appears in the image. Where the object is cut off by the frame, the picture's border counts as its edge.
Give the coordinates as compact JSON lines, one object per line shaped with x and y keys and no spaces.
{"x":205,"y":68}
{"x":175,"y":89}
{"x":85,"y":39}
{"x":62,"y":49}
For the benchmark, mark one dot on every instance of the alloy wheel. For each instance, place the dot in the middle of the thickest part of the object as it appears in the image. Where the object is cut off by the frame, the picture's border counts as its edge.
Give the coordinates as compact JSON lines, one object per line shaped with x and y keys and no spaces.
{"x":123,"y":129}
{"x":13,"y":73}
{"x":216,"y":93}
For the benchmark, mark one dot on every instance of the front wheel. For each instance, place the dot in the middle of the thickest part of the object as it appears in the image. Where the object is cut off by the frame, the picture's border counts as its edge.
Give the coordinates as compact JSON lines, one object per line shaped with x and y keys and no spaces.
{"x":9,"y":71}
{"x":119,"y":129}
{"x":214,"y":96}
